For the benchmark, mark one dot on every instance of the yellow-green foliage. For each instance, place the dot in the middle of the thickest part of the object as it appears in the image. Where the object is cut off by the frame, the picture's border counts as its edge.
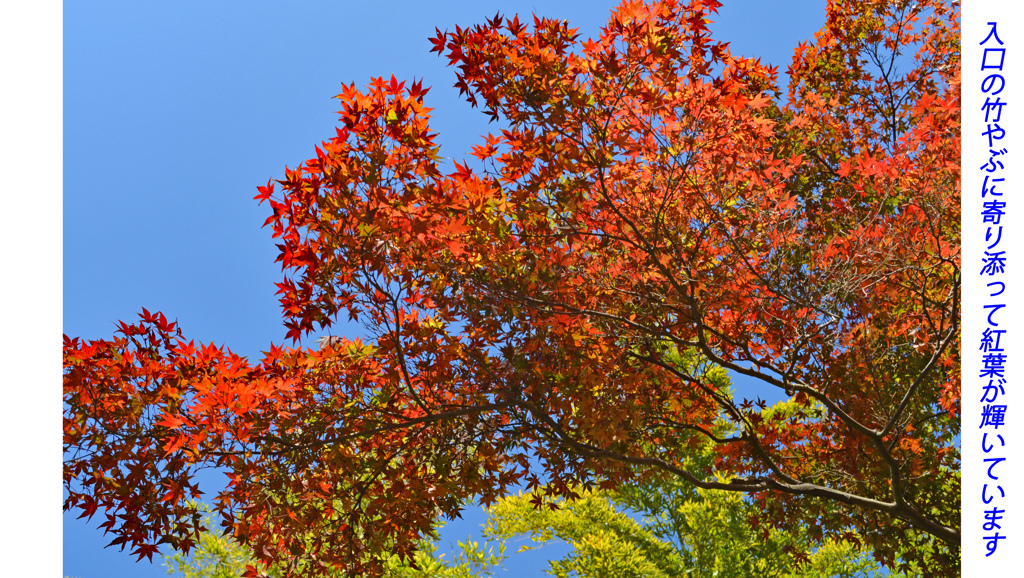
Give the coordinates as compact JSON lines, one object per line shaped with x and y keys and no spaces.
{"x":472,"y":561}
{"x":707,"y":534}
{"x":605,"y":542}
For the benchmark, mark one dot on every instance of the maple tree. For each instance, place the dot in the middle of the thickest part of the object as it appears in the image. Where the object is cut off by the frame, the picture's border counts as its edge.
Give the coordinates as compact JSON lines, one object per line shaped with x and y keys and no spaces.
{"x":653,"y":209}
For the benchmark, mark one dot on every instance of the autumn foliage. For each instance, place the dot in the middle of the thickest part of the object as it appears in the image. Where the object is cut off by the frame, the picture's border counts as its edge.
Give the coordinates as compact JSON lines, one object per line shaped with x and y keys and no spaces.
{"x":649,"y":208}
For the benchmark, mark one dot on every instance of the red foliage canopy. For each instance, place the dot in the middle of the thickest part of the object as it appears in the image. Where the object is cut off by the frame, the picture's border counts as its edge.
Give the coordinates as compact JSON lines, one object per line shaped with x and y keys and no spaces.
{"x":652,"y":208}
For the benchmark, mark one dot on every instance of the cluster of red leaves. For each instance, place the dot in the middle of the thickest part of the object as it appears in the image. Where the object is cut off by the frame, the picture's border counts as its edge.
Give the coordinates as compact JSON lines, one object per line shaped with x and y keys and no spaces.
{"x":147,"y":410}
{"x":650,"y":198}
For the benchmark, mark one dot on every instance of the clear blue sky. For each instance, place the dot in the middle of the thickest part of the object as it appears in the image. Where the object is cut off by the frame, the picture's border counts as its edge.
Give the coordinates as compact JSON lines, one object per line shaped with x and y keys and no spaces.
{"x":175,"y":112}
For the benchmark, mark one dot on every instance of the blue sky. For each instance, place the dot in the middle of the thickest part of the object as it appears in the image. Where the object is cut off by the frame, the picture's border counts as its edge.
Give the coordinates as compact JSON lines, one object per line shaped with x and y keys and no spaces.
{"x":175,"y":112}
